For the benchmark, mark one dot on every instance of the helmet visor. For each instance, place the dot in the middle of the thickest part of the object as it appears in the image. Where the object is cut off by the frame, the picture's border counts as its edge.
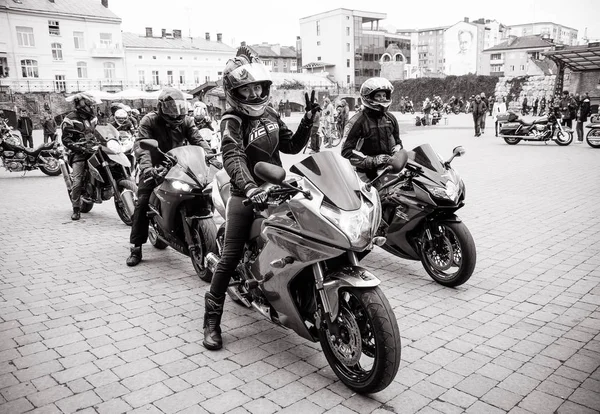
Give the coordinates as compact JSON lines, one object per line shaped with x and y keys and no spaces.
{"x":248,"y":73}
{"x":174,"y":108}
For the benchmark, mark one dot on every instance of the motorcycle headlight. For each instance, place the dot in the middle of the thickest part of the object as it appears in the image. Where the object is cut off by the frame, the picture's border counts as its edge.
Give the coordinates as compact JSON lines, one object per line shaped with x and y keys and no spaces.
{"x":356,"y":224}
{"x":450,"y":192}
{"x":180,"y":185}
{"x":114,"y":146}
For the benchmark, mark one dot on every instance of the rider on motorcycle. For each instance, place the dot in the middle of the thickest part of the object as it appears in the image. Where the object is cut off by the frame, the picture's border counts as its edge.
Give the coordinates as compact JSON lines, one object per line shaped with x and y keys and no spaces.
{"x":252,"y":131}
{"x":373,"y":131}
{"x":78,"y":136}
{"x":170,"y":126}
{"x":121,"y":122}
{"x":201,"y":117}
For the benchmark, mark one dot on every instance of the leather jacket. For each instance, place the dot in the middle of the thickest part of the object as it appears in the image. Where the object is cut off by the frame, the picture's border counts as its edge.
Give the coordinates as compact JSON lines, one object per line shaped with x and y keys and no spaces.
{"x":78,"y":135}
{"x":372,"y":133}
{"x":246,"y":141}
{"x":153,"y":126}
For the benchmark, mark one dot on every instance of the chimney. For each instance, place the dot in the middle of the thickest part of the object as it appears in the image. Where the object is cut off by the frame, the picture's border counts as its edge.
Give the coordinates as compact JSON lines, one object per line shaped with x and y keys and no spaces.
{"x":219,"y":37}
{"x":104,"y":3}
{"x":243,"y":43}
{"x":164,"y":33}
{"x":176,"y":34}
{"x":276,"y":48}
{"x":511,"y":39}
{"x":148,"y":32}
{"x":207,"y":36}
{"x":466,"y":20}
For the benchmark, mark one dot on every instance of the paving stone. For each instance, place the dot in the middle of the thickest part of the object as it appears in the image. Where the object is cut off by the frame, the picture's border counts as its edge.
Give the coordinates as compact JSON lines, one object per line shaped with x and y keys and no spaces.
{"x":325,"y":398}
{"x":408,"y":402}
{"x":303,"y":406}
{"x":147,"y":395}
{"x":587,"y":398}
{"x":289,"y":394}
{"x":262,"y":406}
{"x":476,"y":385}
{"x":49,"y":395}
{"x":115,"y":406}
{"x":225,"y":402}
{"x":78,"y":402}
{"x":569,"y":407}
{"x":180,"y":400}
{"x":18,"y":406}
{"x":501,"y":398}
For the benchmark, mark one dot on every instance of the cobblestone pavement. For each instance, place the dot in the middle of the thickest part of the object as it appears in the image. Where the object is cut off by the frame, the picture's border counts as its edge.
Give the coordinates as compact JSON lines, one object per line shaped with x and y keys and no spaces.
{"x":80,"y":331}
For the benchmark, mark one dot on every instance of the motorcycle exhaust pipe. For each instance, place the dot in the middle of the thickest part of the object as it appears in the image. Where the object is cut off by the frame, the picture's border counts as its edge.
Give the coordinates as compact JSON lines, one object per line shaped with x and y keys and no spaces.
{"x":210,"y":261}
{"x":65,"y":173}
{"x":128,"y":199}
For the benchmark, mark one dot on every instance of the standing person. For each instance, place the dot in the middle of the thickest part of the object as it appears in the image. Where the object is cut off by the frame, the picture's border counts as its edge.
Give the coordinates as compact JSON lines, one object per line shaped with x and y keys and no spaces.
{"x":427,"y":111}
{"x":499,"y":108}
{"x":25,"y":127}
{"x":252,"y":132}
{"x":315,"y":133}
{"x":487,"y":106}
{"x":491,"y":104}
{"x":566,"y":105}
{"x":479,"y":111}
{"x":327,"y":121}
{"x":583,"y":111}
{"x":78,"y":129}
{"x":524,"y":107}
{"x":535,"y":106}
{"x":172,"y":128}
{"x":342,"y":116}
{"x":49,"y":127}
{"x":542,"y":106}
{"x":281,"y":108}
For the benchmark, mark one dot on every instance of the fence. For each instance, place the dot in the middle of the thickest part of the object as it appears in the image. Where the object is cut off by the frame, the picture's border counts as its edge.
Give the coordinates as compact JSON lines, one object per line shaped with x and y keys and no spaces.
{"x":63,"y":86}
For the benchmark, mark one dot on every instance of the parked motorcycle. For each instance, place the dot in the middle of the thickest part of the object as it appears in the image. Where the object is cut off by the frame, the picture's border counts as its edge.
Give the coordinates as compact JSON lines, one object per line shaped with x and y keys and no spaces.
{"x":418,"y":207}
{"x":300,"y":266}
{"x":593,"y":135}
{"x":16,"y":158}
{"x":6,"y":132}
{"x":544,"y":129}
{"x":181,"y":208}
{"x":108,"y":175}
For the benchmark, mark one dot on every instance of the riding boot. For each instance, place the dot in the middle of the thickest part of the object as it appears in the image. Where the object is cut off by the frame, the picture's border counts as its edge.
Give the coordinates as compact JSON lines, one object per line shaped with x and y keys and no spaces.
{"x":76,"y":213}
{"x":213,"y":310}
{"x":135,"y":257}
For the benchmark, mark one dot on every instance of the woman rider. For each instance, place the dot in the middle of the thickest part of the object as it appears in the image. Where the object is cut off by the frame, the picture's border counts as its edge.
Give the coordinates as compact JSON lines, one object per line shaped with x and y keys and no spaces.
{"x":252,"y":132}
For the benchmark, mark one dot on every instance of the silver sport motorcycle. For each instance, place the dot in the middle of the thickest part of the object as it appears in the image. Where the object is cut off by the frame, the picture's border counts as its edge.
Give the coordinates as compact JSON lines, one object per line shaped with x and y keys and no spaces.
{"x":300,"y":267}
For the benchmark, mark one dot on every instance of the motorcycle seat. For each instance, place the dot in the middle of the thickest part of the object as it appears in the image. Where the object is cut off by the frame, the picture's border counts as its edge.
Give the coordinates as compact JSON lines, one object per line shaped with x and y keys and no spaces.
{"x":35,"y":152}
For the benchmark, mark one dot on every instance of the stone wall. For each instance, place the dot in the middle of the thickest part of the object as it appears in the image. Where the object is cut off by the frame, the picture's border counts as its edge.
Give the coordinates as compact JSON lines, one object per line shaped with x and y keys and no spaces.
{"x":532,"y":87}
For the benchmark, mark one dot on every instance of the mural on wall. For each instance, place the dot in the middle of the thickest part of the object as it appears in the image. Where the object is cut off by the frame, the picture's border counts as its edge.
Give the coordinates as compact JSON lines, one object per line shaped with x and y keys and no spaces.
{"x":460,"y":47}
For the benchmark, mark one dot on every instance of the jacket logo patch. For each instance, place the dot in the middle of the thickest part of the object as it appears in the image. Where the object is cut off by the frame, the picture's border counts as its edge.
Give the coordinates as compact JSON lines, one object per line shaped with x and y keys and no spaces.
{"x":260,"y":131}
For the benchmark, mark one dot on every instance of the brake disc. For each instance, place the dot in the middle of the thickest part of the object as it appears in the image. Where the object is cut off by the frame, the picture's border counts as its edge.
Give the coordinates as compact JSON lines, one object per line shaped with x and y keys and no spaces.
{"x":347,"y":347}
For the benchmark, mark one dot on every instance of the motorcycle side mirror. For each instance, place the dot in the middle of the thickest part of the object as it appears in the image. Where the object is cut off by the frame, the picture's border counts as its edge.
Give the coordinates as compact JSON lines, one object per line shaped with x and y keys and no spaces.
{"x":398,"y":161}
{"x":148,"y":144}
{"x":271,"y":173}
{"x":458,"y":151}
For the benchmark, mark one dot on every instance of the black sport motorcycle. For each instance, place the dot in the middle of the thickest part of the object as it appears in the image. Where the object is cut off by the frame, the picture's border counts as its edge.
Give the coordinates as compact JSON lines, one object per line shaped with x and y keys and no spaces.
{"x":418,"y":207}
{"x":17,"y":158}
{"x":300,"y":266}
{"x":546,"y":128}
{"x":108,"y":175}
{"x":181,"y":208}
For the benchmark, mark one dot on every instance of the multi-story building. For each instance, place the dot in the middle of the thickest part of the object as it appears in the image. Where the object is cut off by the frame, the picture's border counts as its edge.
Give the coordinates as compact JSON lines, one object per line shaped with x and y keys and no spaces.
{"x":152,"y":62}
{"x":517,"y":56}
{"x":348,"y":44}
{"x":558,"y":33}
{"x":276,"y":57}
{"x":60,"y":46}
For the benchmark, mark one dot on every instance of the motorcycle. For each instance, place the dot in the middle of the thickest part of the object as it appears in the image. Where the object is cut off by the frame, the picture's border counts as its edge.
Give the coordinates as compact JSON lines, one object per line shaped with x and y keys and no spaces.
{"x":181,"y":209}
{"x":300,"y":266}
{"x":16,"y":158}
{"x":543,"y":129}
{"x":593,"y":135}
{"x":6,"y":132}
{"x":108,"y":175}
{"x":408,"y":108}
{"x":126,"y":140}
{"x":418,"y":207}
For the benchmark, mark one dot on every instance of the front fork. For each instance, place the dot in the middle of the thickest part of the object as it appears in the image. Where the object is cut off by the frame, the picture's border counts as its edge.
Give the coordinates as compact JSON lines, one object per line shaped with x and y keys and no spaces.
{"x":126,"y":198}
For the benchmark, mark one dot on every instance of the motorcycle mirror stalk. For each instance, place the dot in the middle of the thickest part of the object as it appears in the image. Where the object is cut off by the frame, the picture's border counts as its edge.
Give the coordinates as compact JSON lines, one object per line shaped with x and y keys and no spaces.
{"x":274,"y":174}
{"x":456,"y":152}
{"x":152,"y":145}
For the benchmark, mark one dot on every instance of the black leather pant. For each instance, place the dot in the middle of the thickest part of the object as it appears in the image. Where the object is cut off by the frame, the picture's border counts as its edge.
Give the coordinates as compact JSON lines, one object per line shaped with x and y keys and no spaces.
{"x":139,"y":227}
{"x":237,"y":231}
{"x":77,"y":174}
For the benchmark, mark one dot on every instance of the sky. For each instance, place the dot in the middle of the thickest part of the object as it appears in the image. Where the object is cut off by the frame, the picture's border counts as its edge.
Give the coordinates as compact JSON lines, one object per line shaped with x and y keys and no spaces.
{"x":278,"y":21}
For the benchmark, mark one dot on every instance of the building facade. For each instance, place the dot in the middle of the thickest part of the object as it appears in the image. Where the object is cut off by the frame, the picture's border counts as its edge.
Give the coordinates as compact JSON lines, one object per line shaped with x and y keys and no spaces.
{"x":558,"y":33}
{"x":276,"y":57}
{"x":152,"y":62}
{"x":60,"y":46}
{"x":517,"y":56}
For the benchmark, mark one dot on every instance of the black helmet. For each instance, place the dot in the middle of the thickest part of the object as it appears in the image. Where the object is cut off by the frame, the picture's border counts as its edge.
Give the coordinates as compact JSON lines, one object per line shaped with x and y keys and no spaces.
{"x":172,"y":106}
{"x":85,"y":104}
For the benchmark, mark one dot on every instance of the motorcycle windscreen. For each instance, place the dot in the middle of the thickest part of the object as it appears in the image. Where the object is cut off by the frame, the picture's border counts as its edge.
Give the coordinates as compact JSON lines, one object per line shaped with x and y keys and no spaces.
{"x":426,"y":157}
{"x":191,"y":159}
{"x":106,"y":132}
{"x":334,"y":176}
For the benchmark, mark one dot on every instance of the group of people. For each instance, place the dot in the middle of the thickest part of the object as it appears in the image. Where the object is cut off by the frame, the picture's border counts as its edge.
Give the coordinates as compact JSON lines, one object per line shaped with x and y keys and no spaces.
{"x":332,"y":119}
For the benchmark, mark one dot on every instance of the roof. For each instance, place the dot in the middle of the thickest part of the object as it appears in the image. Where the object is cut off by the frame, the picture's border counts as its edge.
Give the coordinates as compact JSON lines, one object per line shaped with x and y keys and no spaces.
{"x":367,"y":16}
{"x":577,"y":58}
{"x":547,"y":66}
{"x":523,"y":42}
{"x":267,"y":50}
{"x":63,"y":8}
{"x":205,"y":87}
{"x":319,"y":64}
{"x":133,"y":40}
{"x":531,"y":24}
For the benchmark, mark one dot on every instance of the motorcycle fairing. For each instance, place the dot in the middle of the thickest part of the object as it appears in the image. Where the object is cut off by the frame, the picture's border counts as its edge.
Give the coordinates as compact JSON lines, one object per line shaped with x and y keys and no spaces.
{"x":94,"y":166}
{"x":349,"y":276}
{"x":191,"y":159}
{"x":119,"y":158}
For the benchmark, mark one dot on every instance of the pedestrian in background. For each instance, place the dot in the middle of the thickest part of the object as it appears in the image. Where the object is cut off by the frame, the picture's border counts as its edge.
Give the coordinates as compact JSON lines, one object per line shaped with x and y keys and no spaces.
{"x":49,"y":127}
{"x":542,"y":106}
{"x":315,"y":133}
{"x":479,"y":111}
{"x":487,"y":105}
{"x":427,"y":111}
{"x":583,"y":111}
{"x":499,"y":108}
{"x":25,"y":127}
{"x":535,"y":106}
{"x":524,"y":109}
{"x":566,"y":104}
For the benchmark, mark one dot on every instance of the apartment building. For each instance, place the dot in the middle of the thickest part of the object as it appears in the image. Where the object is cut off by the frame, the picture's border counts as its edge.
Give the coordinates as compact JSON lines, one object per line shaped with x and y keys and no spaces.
{"x":558,"y":33}
{"x":518,"y":56}
{"x":276,"y":57}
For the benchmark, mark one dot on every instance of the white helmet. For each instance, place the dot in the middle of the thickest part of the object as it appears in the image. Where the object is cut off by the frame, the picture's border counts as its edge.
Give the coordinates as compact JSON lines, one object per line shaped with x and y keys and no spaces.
{"x":121,"y":116}
{"x":370,"y":87}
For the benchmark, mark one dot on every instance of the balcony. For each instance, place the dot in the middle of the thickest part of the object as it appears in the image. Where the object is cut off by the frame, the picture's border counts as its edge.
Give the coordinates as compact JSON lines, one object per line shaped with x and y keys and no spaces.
{"x":107,"y":51}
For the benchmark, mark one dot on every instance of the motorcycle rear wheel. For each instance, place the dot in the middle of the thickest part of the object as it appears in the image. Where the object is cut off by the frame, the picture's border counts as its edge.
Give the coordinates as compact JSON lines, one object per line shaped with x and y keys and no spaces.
{"x":204,"y":234}
{"x":52,"y":167}
{"x":512,"y":141}
{"x":124,"y":184}
{"x":593,"y":138}
{"x":366,"y":355}
{"x":564,"y":139}
{"x":450,"y":257}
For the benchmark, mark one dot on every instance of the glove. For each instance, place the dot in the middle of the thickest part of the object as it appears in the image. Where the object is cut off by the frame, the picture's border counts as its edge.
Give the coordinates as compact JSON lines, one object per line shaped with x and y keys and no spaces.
{"x":397,"y":148}
{"x":215,"y":163}
{"x":154,"y":173}
{"x":381,"y":160}
{"x":258,"y":196}
{"x":311,"y":105}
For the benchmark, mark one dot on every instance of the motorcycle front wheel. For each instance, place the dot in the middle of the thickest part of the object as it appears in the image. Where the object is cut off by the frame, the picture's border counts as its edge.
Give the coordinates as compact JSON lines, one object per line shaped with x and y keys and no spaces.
{"x":564,"y":138}
{"x":512,"y":140}
{"x":124,"y":215}
{"x":593,"y":138}
{"x":204,"y":234}
{"x":365,"y":353}
{"x":449,"y":257}
{"x":51,"y":168}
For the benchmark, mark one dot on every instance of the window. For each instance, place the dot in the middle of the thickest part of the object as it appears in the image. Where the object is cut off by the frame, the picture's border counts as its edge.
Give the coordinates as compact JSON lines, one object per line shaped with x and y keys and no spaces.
{"x":285,"y":64}
{"x":109,"y":70}
{"x":318,"y":28}
{"x":267,"y":63}
{"x":140,"y":57}
{"x":106,"y":39}
{"x":82,"y":70}
{"x":170,"y":77}
{"x":182,"y":76}
{"x":347,"y":63}
{"x":347,"y":47}
{"x":155,"y":77}
{"x":347,"y":31}
{"x":168,"y":57}
{"x":512,"y":67}
{"x":142,"y":77}
{"x":153,"y":57}
{"x":318,"y":57}
{"x":348,"y":79}
{"x":25,"y":36}
{"x":53,"y":28}
{"x":196,"y":77}
{"x":535,"y":55}
{"x":56,"y":51}
{"x":29,"y":68}
{"x":78,"y":40}
{"x":318,"y":43}
{"x":59,"y":83}
{"x":522,"y":67}
{"x":496,"y":56}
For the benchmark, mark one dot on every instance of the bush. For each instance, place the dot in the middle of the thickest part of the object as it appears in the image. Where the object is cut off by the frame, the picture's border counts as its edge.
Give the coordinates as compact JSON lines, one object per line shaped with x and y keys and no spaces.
{"x":460,"y":86}
{"x":291,"y":85}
